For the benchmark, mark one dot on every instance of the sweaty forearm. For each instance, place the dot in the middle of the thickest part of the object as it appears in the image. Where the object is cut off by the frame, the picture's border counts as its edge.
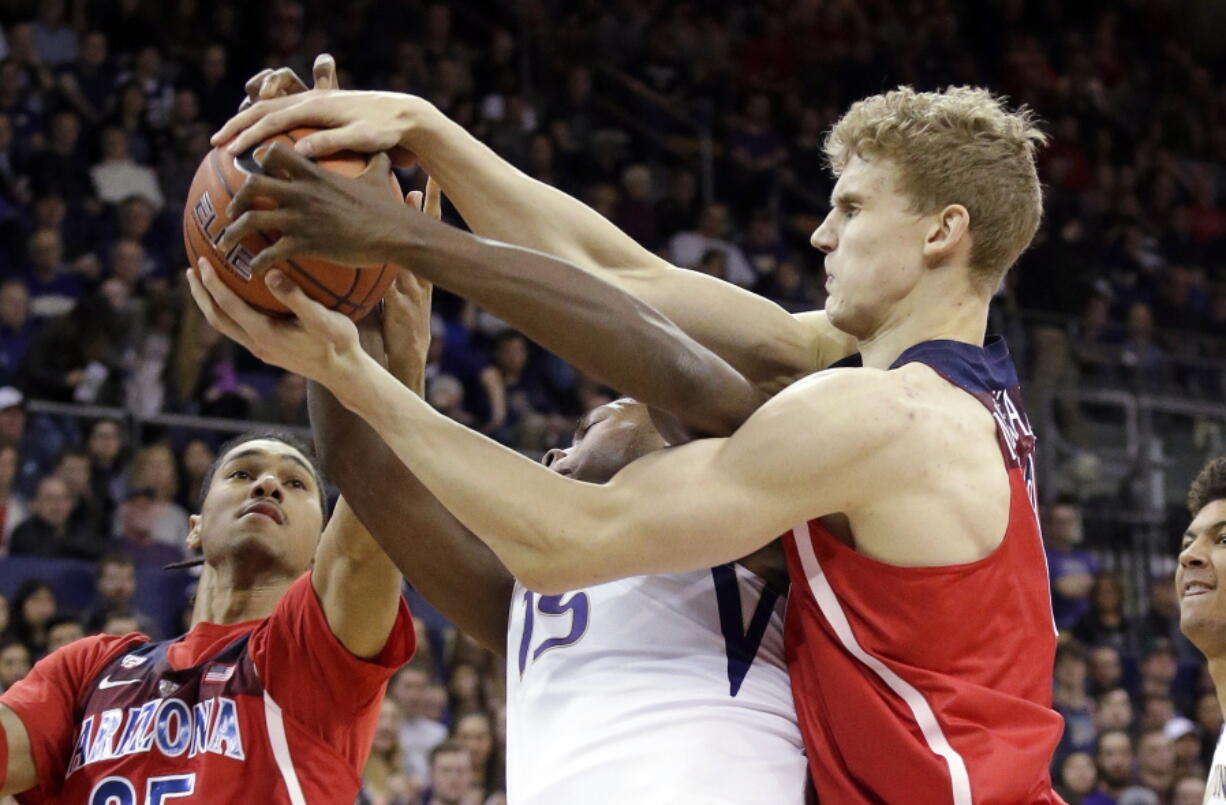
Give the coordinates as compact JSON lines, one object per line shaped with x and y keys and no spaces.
{"x":443,"y":560}
{"x":594,"y":325}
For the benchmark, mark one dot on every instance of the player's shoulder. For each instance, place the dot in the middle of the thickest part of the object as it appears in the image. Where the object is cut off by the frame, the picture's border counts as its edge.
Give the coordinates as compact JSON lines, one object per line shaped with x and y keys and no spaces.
{"x":83,"y":659}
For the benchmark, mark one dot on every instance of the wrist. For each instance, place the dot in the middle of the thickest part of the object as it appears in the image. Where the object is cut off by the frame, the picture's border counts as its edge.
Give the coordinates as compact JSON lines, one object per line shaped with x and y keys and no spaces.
{"x":419,"y":120}
{"x":350,"y":376}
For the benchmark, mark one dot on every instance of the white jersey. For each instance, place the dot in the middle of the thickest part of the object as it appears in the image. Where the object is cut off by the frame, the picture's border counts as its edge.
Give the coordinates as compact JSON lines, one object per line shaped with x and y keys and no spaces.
{"x":1215,"y":786}
{"x":653,"y":690}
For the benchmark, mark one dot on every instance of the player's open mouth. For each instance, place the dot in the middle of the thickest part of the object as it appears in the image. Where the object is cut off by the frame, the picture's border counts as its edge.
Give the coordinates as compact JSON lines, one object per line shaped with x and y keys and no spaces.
{"x":1194,"y":588}
{"x":266,"y":509}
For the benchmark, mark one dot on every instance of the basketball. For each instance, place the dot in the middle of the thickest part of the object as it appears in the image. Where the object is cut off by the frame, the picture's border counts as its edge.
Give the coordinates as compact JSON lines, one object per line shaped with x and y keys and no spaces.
{"x":339,"y":287}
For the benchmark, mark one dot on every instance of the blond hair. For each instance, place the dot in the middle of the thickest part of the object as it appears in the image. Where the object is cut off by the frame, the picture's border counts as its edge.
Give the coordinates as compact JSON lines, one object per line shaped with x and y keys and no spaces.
{"x":960,"y":146}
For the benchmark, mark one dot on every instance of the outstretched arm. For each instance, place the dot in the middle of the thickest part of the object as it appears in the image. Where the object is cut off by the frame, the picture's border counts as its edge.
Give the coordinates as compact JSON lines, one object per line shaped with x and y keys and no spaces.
{"x":498,"y":201}
{"x":568,"y":311}
{"x":441,"y":558}
{"x":694,"y":506}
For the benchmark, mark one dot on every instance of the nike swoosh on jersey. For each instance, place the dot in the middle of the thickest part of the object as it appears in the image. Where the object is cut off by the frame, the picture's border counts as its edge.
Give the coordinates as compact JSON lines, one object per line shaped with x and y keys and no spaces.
{"x":108,"y":683}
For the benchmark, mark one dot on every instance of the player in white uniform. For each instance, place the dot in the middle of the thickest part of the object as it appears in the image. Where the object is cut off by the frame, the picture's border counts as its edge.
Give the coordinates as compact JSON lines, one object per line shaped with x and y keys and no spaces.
{"x":1199,"y":582}
{"x":654,"y":689}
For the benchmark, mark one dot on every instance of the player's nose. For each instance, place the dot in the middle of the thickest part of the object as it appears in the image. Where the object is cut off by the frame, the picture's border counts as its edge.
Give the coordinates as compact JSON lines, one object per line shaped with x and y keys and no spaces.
{"x":267,"y":486}
{"x":1194,"y":555}
{"x":823,"y":238}
{"x":553,"y":457}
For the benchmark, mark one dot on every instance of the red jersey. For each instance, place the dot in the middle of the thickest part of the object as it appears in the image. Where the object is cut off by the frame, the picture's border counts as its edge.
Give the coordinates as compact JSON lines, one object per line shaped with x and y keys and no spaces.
{"x":270,"y":711}
{"x":931,"y":684}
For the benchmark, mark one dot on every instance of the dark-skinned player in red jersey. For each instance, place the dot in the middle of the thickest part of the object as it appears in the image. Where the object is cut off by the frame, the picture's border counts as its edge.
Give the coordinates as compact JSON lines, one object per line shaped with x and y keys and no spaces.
{"x":273,"y":695}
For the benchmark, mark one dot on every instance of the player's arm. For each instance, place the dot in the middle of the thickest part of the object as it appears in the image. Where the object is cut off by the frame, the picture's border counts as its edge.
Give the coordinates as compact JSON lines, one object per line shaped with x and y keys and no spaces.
{"x":498,"y":201}
{"x":19,"y":772}
{"x":443,"y":560}
{"x":698,"y":505}
{"x":810,"y":451}
{"x":570,"y":312}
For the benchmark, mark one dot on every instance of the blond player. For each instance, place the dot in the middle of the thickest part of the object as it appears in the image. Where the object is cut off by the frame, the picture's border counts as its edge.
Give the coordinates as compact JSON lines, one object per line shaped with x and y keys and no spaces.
{"x":920,"y":622}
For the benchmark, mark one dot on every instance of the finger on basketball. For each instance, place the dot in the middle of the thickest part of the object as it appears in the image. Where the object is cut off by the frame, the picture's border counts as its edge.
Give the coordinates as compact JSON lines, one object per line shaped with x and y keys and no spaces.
{"x":246,"y":322}
{"x":433,"y":205}
{"x":281,"y":82}
{"x":250,"y":222}
{"x":351,"y":137}
{"x":376,"y":169}
{"x":309,"y":312}
{"x":270,"y":255}
{"x":253,"y":85}
{"x":253,"y":187}
{"x":324,"y":72}
{"x":281,"y":159}
{"x":213,"y":314}
{"x":239,"y":127}
{"x":413,"y":199}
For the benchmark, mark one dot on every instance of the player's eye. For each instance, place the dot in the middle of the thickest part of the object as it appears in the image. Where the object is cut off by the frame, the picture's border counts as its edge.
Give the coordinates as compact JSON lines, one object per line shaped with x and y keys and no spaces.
{"x":241,"y":475}
{"x":297,"y":483}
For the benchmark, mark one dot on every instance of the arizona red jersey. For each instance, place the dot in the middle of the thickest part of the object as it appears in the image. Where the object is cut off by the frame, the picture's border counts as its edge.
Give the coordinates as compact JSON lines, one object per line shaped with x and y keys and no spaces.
{"x":931,"y":684}
{"x":270,"y":711}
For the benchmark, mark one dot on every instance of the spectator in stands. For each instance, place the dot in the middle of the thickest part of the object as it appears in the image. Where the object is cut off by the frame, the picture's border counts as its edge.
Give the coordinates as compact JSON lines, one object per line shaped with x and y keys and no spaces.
{"x":115,"y":589}
{"x":451,"y":776}
{"x":384,"y":777}
{"x":88,"y":515}
{"x":34,"y":606}
{"x":418,"y":734}
{"x":1106,"y":669}
{"x":1209,"y":721}
{"x":475,"y":732}
{"x":16,"y":328}
{"x":1114,"y":758}
{"x":1156,"y":763}
{"x":35,"y":447}
{"x":61,"y":169}
{"x":1078,"y":778}
{"x":196,"y":458}
{"x":679,"y":210}
{"x":636,"y":212}
{"x":1072,"y":570}
{"x":150,"y":515}
{"x":1159,"y":668}
{"x":54,"y":289}
{"x":714,"y":227}
{"x":1148,"y":364}
{"x":62,"y":630}
{"x":287,"y":403}
{"x":77,"y":356}
{"x":13,"y":507}
{"x":88,"y":82}
{"x":49,"y":530}
{"x":1070,"y":699}
{"x":1113,"y":711}
{"x":105,"y":445}
{"x":117,"y":176}
{"x":14,"y":662}
{"x":1186,"y":740}
{"x":1105,"y":624}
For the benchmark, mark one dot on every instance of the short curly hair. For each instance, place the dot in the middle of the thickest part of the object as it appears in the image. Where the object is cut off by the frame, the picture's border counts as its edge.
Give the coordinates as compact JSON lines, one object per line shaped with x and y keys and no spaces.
{"x":1210,"y":485}
{"x":958,"y":146}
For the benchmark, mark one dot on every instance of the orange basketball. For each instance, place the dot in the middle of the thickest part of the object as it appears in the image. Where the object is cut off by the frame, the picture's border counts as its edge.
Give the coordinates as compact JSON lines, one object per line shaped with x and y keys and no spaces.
{"x":339,"y":287}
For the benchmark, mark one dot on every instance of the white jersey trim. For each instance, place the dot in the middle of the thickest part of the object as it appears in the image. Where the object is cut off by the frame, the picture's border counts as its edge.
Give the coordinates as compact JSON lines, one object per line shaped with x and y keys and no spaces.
{"x":280,"y":750}
{"x":829,"y":604}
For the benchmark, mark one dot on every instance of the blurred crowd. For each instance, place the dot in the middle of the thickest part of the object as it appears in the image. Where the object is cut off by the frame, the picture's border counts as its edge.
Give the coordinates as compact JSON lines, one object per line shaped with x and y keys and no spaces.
{"x":106,"y":109}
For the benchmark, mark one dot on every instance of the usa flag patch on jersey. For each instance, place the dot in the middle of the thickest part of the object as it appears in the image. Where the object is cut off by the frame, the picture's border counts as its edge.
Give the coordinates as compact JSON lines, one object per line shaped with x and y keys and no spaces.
{"x":219,"y":673}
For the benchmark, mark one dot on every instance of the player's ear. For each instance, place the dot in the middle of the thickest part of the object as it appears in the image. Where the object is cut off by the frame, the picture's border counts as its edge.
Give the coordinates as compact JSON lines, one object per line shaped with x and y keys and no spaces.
{"x":193,"y":534}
